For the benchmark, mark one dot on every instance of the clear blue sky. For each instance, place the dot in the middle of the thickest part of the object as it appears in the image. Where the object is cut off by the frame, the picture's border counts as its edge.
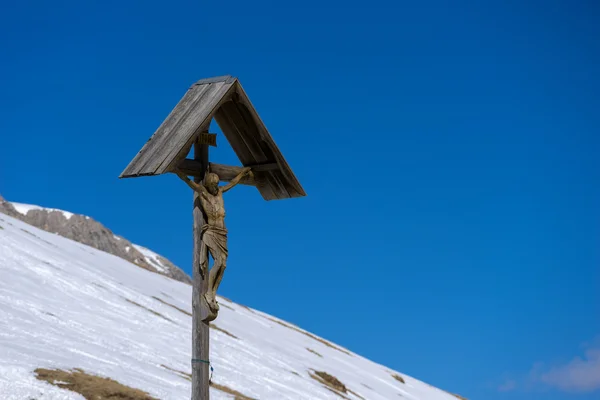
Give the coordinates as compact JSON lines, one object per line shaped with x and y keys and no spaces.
{"x":449,"y":150}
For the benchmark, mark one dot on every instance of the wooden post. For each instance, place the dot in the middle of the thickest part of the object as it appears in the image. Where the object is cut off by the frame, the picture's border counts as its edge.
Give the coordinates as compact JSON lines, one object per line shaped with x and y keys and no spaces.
{"x":200,"y":328}
{"x":224,"y":99}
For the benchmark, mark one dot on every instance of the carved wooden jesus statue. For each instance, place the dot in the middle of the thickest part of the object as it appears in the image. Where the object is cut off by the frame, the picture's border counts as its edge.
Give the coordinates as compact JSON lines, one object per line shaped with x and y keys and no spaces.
{"x":214,"y":232}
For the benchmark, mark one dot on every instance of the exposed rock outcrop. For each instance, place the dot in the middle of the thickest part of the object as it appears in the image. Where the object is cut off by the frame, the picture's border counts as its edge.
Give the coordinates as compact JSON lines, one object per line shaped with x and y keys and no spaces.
{"x":85,"y":230}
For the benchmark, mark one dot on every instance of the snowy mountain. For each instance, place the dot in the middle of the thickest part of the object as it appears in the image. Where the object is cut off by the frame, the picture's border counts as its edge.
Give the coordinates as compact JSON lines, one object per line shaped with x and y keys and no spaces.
{"x":70,"y":313}
{"x":84,"y":229}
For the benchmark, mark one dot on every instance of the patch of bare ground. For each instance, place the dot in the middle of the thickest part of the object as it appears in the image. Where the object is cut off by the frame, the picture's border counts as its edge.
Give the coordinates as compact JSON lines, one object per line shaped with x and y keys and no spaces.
{"x":172,"y":306}
{"x":458,"y":396}
{"x":330,"y":382}
{"x":91,"y":387}
{"x":314,"y":352}
{"x":310,"y":335}
{"x":236,"y":395}
{"x":213,"y":326}
{"x":148,"y":309}
{"x":398,"y":378}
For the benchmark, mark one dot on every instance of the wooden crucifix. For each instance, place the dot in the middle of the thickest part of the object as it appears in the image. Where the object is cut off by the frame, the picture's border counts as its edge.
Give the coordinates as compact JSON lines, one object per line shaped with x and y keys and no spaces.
{"x":264,"y":167}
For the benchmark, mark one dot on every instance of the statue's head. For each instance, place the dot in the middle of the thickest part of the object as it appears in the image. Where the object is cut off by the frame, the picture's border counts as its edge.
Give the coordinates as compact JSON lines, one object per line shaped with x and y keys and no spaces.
{"x":211,"y":183}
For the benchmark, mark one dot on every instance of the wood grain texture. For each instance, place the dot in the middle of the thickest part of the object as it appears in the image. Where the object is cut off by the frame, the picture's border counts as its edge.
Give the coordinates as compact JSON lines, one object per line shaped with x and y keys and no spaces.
{"x":178,"y":130}
{"x":224,"y":99}
{"x":145,"y":161}
{"x":203,"y":114}
{"x":226,"y":172}
{"x":266,"y":137}
{"x":200,"y":327}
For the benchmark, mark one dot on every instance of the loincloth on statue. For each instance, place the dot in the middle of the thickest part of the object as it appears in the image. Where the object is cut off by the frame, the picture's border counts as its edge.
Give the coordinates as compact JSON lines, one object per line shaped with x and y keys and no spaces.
{"x":215,"y":239}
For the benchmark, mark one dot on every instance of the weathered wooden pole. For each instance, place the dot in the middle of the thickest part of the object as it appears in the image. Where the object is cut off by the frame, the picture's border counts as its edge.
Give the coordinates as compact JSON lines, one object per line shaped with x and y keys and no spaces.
{"x":200,"y":327}
{"x":224,"y":99}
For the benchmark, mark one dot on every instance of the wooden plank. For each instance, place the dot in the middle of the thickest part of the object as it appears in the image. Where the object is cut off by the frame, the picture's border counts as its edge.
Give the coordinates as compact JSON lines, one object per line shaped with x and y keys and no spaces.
{"x":237,"y":132}
{"x":251,"y":132}
{"x":184,"y":134}
{"x":243,"y":153}
{"x":226,"y":172}
{"x":204,"y":111}
{"x":266,"y":136}
{"x":176,"y":133}
{"x":148,"y":154}
{"x":200,"y":327}
{"x":239,"y":121}
{"x":171,"y":126}
{"x":223,"y":78}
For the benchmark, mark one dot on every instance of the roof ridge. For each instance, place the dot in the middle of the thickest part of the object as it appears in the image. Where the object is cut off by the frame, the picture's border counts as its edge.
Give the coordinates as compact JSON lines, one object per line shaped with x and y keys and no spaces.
{"x":222,"y":78}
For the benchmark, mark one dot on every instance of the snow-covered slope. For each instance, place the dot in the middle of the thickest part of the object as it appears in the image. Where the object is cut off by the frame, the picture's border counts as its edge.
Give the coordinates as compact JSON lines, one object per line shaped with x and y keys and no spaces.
{"x":67,"y":305}
{"x":86,"y":230}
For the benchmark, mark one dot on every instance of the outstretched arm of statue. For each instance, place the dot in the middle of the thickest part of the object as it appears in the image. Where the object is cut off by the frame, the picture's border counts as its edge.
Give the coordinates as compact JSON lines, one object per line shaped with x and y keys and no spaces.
{"x":237,"y":179}
{"x":195,"y":186}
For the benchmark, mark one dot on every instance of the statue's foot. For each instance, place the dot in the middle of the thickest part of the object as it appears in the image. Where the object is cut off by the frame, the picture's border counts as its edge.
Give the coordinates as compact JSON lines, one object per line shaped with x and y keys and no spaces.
{"x":208,"y":312}
{"x":212,"y":303}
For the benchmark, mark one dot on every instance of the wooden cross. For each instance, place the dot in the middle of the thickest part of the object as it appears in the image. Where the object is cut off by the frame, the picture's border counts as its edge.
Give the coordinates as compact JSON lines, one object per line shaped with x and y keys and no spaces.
{"x":223,"y":99}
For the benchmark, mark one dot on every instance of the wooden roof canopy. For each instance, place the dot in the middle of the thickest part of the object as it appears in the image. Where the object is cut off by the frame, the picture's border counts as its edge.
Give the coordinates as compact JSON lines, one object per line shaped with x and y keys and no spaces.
{"x":224,"y":99}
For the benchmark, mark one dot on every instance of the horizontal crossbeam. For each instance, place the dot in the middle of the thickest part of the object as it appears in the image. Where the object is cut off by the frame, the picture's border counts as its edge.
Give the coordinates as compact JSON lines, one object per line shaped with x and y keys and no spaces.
{"x":226,"y":172}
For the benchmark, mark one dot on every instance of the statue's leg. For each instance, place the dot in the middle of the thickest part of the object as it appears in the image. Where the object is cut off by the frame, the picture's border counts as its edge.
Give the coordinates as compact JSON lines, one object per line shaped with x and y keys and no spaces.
{"x":204,"y":272}
{"x":214,"y":279}
{"x":216,"y":274}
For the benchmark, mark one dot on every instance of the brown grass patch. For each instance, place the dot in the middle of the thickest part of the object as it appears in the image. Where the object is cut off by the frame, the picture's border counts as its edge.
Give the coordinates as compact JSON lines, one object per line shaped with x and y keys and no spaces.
{"x":329,"y":381}
{"x":314,"y":352}
{"x":172,"y":306}
{"x":310,"y":335}
{"x":149,"y":309}
{"x":90,"y":386}
{"x":398,"y":378}
{"x":236,"y":395}
{"x":223,"y":330}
